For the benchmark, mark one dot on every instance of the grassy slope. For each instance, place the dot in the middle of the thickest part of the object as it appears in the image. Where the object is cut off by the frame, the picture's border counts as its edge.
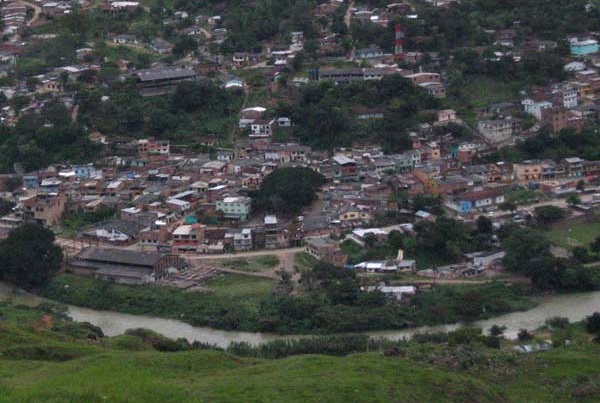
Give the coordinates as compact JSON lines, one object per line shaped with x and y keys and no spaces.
{"x":479,"y":92}
{"x":217,"y":377}
{"x":121,"y":376}
{"x":96,"y":372}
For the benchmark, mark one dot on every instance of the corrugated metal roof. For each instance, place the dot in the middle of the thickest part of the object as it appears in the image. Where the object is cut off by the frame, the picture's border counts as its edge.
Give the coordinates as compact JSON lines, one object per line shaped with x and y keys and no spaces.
{"x":119,"y":256}
{"x":164,"y":74}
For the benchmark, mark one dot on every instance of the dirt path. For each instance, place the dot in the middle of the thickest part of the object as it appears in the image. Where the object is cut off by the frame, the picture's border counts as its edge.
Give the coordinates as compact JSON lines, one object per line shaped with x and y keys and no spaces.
{"x":280,"y":253}
{"x":267,"y":275}
{"x":37,"y":10}
{"x":348,"y":15}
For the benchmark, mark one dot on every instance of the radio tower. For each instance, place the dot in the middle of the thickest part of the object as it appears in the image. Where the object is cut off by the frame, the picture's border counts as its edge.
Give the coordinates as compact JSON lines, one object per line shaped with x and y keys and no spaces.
{"x":399,"y":42}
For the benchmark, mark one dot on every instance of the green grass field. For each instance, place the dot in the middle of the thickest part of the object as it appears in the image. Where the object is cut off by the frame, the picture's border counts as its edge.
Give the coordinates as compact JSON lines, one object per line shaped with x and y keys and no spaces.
{"x":42,"y":364}
{"x":577,"y":235}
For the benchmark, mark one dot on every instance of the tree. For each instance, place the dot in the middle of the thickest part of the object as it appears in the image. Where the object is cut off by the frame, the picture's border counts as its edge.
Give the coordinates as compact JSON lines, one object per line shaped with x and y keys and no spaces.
{"x":595,"y":245}
{"x":573,"y":200}
{"x":497,"y":331}
{"x":13,"y":183}
{"x":524,"y":335}
{"x":484,"y":225}
{"x":547,"y":214}
{"x":6,"y":206}
{"x":592,"y":322}
{"x":580,"y":185}
{"x":29,"y":257}
{"x":288,"y":190}
{"x":508,"y":206}
{"x":523,"y":247}
{"x":184,"y":45}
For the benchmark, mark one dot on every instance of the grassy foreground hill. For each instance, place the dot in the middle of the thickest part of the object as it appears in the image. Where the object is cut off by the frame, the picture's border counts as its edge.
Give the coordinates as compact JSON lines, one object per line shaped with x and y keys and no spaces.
{"x":46,"y":358}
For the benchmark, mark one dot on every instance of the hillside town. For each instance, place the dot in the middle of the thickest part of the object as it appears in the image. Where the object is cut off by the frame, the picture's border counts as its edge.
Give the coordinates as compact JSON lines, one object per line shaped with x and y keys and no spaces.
{"x":192,"y":190}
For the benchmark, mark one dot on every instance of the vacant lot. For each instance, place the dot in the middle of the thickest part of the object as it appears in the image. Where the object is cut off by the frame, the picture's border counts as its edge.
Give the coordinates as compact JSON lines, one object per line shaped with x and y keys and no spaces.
{"x":577,"y":235}
{"x":256,"y":264}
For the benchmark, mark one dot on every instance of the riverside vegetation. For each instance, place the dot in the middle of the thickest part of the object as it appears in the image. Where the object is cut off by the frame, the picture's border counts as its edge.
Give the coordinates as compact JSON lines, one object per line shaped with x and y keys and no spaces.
{"x":45,"y":357}
{"x":333,"y":305}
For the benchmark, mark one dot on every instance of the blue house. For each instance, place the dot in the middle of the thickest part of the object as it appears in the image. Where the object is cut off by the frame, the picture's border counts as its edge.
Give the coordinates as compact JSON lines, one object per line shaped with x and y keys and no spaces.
{"x":31,"y":181}
{"x":479,"y":200}
{"x":584,"y":47}
{"x":84,"y":171}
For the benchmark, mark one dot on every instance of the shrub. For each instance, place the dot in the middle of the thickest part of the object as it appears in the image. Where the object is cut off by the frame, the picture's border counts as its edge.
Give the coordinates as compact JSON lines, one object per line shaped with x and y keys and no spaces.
{"x":524,"y":335}
{"x":557,"y":322}
{"x":592,"y":322}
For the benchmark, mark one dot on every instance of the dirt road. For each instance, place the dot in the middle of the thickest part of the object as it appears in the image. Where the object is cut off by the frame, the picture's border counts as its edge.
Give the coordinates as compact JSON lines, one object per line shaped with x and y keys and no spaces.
{"x":37,"y":10}
{"x":282,"y":254}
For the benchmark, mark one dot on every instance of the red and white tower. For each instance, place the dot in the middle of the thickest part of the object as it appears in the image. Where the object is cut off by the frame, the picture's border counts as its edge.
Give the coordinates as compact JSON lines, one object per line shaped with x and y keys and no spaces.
{"x":399,"y":42}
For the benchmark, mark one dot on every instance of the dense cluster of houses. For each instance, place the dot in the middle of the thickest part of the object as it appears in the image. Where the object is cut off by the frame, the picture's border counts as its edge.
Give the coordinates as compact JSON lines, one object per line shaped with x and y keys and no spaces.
{"x":162,"y":200}
{"x":166,"y":199}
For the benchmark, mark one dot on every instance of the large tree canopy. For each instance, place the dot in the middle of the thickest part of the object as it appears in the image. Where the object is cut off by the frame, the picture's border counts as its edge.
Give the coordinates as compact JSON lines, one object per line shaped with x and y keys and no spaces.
{"x":29,"y":257}
{"x":288,"y":190}
{"x":528,"y":252}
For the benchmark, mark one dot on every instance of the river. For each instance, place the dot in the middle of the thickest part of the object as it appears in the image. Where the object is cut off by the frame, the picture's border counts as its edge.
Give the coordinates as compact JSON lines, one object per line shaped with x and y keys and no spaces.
{"x":573,"y":306}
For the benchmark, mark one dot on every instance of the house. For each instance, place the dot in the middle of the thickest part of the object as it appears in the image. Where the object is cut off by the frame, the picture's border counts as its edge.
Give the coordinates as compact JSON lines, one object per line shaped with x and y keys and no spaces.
{"x":242,"y":241}
{"x":188,"y":238}
{"x":341,"y":76}
{"x":527,"y":171}
{"x":446,"y":116}
{"x":392,"y":266}
{"x":152,"y":146}
{"x":177,"y":205}
{"x":346,"y":169}
{"x":372,"y":52}
{"x":261,"y":128}
{"x":574,"y":166}
{"x":485,"y":259}
{"x":126,"y":39}
{"x":162,"y":80}
{"x":583,"y":47}
{"x":560,"y":118}
{"x":286,"y":153}
{"x":235,"y":208}
{"x":479,"y":200}
{"x":161,"y":46}
{"x":274,"y":236}
{"x":326,"y":250}
{"x":125,"y":266}
{"x":574,"y":66}
{"x":435,"y":89}
{"x":499,"y":131}
{"x":535,"y":108}
{"x":423,"y":77}
{"x":44,"y":208}
{"x":243,"y":59}
{"x":396,"y":293}
{"x":118,"y":231}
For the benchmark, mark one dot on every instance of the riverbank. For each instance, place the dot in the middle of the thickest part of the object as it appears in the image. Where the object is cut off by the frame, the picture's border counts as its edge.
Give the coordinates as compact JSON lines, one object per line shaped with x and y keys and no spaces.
{"x":44,"y":357}
{"x":246,"y":304}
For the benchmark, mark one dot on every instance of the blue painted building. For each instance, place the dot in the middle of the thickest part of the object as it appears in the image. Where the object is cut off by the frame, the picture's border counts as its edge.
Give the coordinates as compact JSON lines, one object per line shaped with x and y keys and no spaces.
{"x":31,"y":181}
{"x":584,"y":47}
{"x":84,"y":171}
